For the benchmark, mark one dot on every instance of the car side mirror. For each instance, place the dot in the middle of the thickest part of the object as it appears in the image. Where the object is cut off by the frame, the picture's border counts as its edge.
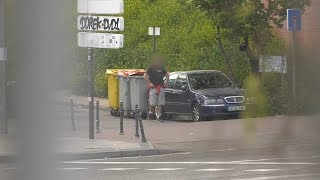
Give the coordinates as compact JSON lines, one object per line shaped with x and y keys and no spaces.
{"x":184,"y":87}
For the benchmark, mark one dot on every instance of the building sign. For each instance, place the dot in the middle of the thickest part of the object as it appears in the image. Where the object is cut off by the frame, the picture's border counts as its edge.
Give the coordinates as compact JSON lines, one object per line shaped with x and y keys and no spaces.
{"x":100,"y":40}
{"x":100,"y":6}
{"x":100,"y":23}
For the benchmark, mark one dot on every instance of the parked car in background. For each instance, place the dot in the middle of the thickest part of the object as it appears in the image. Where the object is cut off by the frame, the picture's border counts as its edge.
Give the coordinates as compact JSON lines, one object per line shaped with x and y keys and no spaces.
{"x":203,"y":94}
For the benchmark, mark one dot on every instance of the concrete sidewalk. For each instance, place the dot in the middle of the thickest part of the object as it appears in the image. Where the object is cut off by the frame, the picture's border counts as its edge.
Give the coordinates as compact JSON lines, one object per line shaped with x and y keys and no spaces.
{"x":82,"y":148}
{"x":80,"y":101}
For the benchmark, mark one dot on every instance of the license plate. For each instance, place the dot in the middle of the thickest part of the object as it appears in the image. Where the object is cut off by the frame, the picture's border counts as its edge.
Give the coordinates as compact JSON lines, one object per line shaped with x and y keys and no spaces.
{"x":237,"y":108}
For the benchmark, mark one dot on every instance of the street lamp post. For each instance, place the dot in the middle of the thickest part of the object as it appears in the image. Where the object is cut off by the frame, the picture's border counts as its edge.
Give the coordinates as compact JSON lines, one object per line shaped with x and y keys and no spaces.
{"x":3,"y":77}
{"x":154,"y":31}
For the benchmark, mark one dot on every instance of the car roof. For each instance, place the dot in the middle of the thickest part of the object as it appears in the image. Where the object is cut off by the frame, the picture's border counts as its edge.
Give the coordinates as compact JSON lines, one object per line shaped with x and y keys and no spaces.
{"x":196,"y":72}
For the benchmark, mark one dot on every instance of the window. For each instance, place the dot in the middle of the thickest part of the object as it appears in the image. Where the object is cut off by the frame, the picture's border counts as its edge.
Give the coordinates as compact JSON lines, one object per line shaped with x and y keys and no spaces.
{"x":181,"y":80}
{"x":172,"y":80}
{"x":209,"y":80}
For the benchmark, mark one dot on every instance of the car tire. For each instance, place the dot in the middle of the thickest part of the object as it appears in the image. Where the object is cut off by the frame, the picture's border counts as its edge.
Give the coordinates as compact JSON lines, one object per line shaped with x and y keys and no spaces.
{"x":196,"y":113}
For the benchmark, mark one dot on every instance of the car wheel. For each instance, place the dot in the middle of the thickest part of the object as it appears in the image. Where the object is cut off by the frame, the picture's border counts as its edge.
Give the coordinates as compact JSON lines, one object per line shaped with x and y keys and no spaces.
{"x":196,"y":113}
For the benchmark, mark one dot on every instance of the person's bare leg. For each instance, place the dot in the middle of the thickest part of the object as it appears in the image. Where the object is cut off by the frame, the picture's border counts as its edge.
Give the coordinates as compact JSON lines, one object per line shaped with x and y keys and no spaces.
{"x":152,"y":112}
{"x":158,"y":112}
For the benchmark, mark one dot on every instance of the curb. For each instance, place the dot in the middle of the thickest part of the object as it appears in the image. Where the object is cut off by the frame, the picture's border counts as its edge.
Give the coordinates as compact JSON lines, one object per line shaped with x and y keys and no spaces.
{"x":94,"y":155}
{"x":115,"y":154}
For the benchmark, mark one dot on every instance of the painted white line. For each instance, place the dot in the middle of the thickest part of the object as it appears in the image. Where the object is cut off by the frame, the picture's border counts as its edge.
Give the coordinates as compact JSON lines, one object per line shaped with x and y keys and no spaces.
{"x":117,"y":169}
{"x":281,"y":177}
{"x":214,"y":170}
{"x":164,"y":169}
{"x":222,"y":150}
{"x":71,"y":169}
{"x":188,"y":162}
{"x":273,"y":159}
{"x":262,"y":170}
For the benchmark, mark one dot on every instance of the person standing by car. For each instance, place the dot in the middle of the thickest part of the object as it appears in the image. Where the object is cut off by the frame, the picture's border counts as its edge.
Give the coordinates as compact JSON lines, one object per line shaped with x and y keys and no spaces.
{"x":155,"y":78}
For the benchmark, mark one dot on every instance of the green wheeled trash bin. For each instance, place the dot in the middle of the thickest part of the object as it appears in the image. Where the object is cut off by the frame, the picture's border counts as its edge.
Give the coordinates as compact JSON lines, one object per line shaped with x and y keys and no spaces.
{"x":139,"y":94}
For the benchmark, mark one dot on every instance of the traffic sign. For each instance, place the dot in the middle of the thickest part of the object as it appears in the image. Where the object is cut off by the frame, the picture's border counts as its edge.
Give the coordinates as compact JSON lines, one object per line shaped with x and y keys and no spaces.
{"x":100,"y":6}
{"x":100,"y":40}
{"x":276,"y":64}
{"x":294,"y":20}
{"x":100,"y":23}
{"x":154,"y":31}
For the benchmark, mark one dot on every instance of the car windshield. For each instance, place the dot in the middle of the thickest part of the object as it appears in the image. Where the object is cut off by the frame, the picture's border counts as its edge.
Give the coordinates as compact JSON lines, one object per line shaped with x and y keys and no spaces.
{"x":209,"y":80}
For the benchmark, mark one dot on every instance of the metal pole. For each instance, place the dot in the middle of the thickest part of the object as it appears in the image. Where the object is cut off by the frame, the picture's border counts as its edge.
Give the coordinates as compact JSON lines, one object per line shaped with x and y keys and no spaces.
{"x":143,"y":137}
{"x":154,"y":40}
{"x":97,"y":117}
{"x":3,"y":72}
{"x":137,"y":120}
{"x":121,"y":118}
{"x":91,"y":93}
{"x":282,"y":71}
{"x":294,"y":92}
{"x":263,"y":70}
{"x":72,"y":115}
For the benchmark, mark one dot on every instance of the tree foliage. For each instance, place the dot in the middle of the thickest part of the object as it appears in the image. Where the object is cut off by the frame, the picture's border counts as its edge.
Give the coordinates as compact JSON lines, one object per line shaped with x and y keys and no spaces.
{"x":249,"y":22}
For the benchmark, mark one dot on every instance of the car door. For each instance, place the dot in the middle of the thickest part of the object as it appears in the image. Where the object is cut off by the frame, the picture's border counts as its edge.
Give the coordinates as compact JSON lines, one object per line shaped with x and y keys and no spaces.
{"x":169,"y":105}
{"x":180,"y":96}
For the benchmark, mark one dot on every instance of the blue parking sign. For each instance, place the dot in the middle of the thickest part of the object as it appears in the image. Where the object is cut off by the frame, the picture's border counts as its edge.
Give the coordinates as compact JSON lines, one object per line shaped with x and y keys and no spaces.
{"x":294,"y":19}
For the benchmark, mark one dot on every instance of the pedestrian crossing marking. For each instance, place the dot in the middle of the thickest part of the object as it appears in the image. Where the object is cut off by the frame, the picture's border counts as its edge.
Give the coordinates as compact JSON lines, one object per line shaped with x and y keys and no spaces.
{"x":214,"y":170}
{"x":164,"y":169}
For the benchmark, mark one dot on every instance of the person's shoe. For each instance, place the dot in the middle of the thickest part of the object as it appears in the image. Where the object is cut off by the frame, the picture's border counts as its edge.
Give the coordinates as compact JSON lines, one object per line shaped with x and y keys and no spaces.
{"x":152,"y":116}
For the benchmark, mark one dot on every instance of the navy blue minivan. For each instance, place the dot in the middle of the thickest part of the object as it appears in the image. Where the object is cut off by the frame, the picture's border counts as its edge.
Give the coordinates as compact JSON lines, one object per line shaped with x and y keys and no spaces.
{"x":203,"y":94}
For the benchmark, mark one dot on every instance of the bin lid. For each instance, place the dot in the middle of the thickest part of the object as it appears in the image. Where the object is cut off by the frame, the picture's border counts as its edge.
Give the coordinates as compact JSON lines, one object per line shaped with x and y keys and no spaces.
{"x":131,"y":72}
{"x":112,"y":71}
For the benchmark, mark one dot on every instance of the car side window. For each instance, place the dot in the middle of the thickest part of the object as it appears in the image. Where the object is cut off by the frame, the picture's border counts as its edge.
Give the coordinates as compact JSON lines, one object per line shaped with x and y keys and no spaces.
{"x":181,"y":80}
{"x":172,"y":80}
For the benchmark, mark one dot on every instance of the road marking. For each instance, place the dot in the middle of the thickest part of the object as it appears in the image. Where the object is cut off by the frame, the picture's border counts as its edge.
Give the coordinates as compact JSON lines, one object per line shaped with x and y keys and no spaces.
{"x":214,"y":170}
{"x":71,"y":169}
{"x":287,"y":158}
{"x":280,"y":177}
{"x":222,"y":150}
{"x":262,"y":170}
{"x":164,"y":169}
{"x":188,"y":162}
{"x":117,"y":169}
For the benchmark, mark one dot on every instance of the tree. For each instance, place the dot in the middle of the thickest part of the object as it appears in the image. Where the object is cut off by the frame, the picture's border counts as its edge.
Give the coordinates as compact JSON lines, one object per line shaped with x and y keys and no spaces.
{"x":247,"y":22}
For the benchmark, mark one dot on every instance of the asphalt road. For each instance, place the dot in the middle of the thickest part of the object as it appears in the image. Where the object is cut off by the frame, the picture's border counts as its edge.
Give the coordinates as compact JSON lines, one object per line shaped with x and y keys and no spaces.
{"x":294,"y":161}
